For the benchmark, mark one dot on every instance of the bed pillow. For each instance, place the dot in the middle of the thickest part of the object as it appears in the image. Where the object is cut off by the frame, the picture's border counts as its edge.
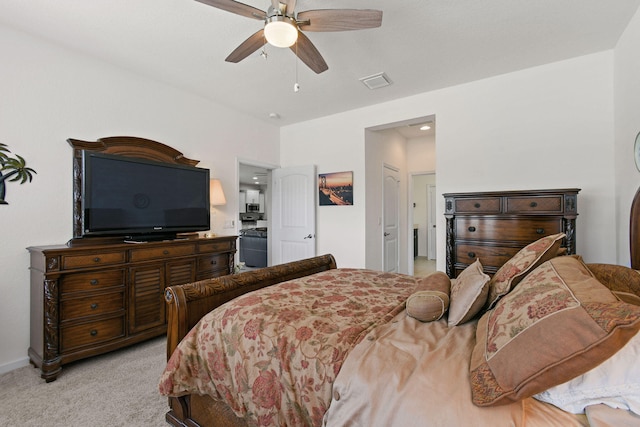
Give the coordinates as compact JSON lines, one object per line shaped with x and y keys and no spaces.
{"x":615,"y":382}
{"x":557,"y":324}
{"x":430,"y":300}
{"x":526,"y":260}
{"x":468,"y":294}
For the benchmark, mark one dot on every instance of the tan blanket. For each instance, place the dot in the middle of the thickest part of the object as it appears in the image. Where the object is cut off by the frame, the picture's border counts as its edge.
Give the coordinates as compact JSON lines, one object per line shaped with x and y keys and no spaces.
{"x":408,"y":373}
{"x":272,"y":355}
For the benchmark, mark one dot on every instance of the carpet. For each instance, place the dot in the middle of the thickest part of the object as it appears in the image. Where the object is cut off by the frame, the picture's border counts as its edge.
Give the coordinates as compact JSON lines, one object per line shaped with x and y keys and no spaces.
{"x":115,"y":389}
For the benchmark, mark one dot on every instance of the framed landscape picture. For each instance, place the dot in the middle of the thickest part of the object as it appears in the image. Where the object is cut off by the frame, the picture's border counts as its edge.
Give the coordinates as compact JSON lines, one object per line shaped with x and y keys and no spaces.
{"x":335,"y":189}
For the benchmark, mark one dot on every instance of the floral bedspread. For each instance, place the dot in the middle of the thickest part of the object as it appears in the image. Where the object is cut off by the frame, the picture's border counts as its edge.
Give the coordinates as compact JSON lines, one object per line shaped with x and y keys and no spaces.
{"x":272,"y":355}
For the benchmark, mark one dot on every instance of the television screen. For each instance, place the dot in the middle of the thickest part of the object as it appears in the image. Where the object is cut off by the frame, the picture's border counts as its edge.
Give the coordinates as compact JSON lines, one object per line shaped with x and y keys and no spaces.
{"x":136,"y":197}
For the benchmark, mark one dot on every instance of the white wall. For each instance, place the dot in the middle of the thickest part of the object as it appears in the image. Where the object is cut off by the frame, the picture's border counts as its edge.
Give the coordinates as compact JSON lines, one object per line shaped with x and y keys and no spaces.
{"x":50,"y":94}
{"x":544,"y":127}
{"x":627,"y":126}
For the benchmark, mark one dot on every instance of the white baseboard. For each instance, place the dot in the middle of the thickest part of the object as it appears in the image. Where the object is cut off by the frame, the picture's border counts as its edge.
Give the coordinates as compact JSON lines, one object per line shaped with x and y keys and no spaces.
{"x":14,"y":365}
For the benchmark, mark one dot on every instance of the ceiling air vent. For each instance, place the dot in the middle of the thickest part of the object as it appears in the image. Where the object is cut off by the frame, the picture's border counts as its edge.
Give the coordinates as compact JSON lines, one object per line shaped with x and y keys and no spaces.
{"x":376,"y":81}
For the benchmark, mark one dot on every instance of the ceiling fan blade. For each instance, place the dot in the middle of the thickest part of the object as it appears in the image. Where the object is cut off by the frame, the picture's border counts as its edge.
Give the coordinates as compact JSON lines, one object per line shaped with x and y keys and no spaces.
{"x":247,"y":47}
{"x":339,"y":19}
{"x":236,"y":7}
{"x":307,"y":52}
{"x":291,"y":5}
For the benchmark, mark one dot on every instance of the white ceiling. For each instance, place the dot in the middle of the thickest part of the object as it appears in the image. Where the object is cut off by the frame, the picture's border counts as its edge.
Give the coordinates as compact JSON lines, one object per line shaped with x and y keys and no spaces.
{"x":422,"y":45}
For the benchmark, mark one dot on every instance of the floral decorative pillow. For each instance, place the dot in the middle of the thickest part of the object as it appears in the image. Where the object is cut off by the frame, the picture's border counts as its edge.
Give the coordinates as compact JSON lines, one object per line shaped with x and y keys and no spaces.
{"x":468,"y":294}
{"x":431,"y":299}
{"x":527,"y":259}
{"x":557,"y":324}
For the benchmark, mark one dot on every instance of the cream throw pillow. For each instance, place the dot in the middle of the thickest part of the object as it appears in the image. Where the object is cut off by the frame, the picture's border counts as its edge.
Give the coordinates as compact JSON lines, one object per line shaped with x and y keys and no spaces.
{"x":468,"y":294}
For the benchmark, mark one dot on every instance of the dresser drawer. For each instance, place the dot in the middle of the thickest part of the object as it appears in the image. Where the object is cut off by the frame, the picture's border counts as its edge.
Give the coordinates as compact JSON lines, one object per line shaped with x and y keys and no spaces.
{"x":483,"y":205}
{"x":91,"y":305}
{"x":207,"y":264}
{"x":102,"y":279}
{"x":227,"y":245}
{"x":92,"y":260}
{"x":89,"y":333}
{"x":506,"y":229}
{"x":490,"y":256}
{"x":533,"y":204}
{"x":162,"y":252}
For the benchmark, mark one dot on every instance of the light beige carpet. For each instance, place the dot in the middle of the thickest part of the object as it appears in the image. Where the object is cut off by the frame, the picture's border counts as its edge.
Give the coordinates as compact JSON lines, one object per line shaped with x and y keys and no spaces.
{"x":116,"y":389}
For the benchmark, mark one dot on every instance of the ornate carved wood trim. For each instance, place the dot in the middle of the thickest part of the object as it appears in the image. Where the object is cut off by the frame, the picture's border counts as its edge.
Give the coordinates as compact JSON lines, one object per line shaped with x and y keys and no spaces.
{"x":128,"y":146}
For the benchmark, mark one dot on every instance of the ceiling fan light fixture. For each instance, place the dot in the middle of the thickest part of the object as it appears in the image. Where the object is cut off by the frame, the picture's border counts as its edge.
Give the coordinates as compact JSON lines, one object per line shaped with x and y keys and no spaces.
{"x":280,"y":31}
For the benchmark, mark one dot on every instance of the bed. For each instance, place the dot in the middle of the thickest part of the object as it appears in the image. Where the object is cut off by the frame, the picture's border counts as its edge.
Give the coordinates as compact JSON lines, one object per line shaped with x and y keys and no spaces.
{"x":541,"y":343}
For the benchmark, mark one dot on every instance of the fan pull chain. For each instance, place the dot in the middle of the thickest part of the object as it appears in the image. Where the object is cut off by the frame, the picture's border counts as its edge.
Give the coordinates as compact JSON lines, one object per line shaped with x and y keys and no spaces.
{"x":296,"y":86}
{"x":264,"y":53}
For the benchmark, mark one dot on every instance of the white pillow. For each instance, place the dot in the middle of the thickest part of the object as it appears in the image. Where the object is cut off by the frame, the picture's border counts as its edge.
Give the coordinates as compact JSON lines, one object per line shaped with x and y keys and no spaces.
{"x":615,"y":383}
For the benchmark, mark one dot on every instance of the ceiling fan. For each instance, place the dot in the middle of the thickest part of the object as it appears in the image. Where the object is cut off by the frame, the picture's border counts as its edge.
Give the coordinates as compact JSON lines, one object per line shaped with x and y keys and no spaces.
{"x":283,"y":27}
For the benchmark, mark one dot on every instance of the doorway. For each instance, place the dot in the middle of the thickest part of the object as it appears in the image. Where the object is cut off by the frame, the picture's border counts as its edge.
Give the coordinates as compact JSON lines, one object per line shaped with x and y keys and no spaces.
{"x":254,"y":201}
{"x":409,"y":145}
{"x":422,"y":199}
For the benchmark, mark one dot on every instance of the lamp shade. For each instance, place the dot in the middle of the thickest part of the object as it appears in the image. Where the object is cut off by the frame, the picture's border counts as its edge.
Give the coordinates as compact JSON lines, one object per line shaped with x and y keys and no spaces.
{"x":216,"y":194}
{"x":280,"y":31}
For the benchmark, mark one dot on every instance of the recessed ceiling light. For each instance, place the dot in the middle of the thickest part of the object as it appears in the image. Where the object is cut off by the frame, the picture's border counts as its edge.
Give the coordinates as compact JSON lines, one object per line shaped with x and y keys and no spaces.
{"x":274,"y":115}
{"x":425,"y":127}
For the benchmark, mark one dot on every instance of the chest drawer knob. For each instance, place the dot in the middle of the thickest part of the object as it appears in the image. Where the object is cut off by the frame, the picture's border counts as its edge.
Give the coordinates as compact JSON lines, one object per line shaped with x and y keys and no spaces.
{"x":214,"y":262}
{"x":96,"y":259}
{"x":93,"y":332}
{"x":166,"y":252}
{"x":533,"y":204}
{"x":539,"y":230}
{"x":471,"y":254}
{"x":93,"y":281}
{"x":476,"y":205}
{"x":94,"y":306}
{"x":472,"y":229}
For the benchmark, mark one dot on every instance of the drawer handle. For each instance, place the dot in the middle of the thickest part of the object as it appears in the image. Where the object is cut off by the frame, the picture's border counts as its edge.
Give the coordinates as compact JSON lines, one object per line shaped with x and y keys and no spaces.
{"x":96,"y":259}
{"x":477,"y":205}
{"x":472,"y":254}
{"x":533,"y":204}
{"x":94,"y":281}
{"x":166,"y":252}
{"x":214,"y":262}
{"x":472,"y":229}
{"x":539,"y":230}
{"x":93,"y":332}
{"x":94,"y":306}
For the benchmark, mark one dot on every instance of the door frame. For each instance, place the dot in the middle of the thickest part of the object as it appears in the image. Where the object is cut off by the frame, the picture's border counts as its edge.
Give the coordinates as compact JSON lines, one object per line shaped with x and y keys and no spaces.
{"x":410,"y":221}
{"x":270,"y":167}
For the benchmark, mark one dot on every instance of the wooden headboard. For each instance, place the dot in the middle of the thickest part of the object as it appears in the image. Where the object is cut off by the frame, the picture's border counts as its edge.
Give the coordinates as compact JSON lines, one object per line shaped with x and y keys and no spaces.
{"x":634,"y":231}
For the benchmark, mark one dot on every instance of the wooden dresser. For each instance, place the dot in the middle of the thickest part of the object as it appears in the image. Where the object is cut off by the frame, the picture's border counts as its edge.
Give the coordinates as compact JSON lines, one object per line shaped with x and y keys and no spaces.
{"x":494,"y":226}
{"x":91,"y":299}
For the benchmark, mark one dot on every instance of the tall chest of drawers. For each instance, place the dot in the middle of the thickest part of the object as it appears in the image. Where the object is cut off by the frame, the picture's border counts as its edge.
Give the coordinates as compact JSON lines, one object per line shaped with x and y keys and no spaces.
{"x":91,"y":299}
{"x":494,"y":226}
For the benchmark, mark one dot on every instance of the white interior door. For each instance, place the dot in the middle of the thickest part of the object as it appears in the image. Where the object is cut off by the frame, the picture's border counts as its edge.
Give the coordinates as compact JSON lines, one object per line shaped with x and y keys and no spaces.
{"x":431,"y":221}
{"x":391,"y":218}
{"x":293,"y":214}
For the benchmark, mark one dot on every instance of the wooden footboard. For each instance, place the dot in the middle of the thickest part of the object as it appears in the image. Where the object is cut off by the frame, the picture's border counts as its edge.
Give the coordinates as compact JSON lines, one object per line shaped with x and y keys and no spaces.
{"x":187,"y":304}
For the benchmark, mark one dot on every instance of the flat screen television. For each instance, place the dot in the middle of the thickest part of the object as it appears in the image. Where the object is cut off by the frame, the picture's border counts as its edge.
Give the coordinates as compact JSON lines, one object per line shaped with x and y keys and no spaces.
{"x":141,"y":199}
